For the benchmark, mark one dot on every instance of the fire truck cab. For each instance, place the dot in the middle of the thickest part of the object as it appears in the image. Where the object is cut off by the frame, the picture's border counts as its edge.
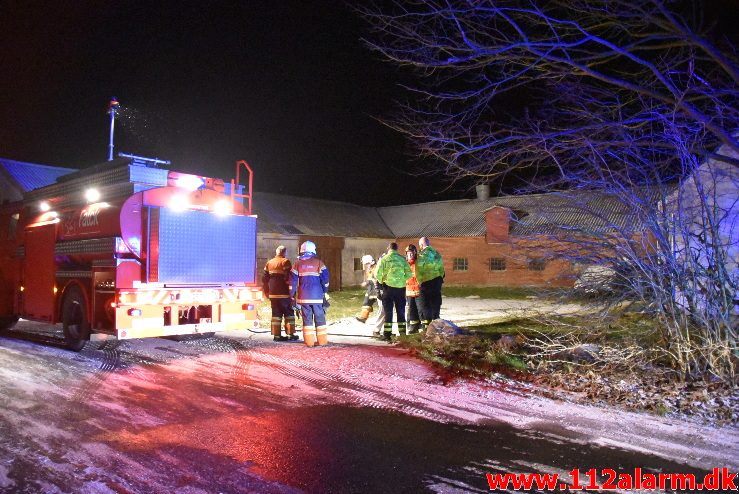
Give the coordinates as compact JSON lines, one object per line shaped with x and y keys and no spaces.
{"x":129,"y":249}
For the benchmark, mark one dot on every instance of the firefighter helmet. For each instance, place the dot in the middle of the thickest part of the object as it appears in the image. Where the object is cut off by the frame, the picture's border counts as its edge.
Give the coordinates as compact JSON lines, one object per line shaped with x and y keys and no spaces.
{"x":367,"y":259}
{"x":308,"y":246}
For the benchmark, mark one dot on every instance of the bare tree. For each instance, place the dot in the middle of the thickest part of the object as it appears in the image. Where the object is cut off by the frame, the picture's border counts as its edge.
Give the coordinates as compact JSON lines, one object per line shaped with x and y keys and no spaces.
{"x":624,"y":97}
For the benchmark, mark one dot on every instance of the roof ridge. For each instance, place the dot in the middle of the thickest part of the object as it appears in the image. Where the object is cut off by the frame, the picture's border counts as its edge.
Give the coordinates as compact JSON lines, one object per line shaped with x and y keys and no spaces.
{"x":35,"y":164}
{"x":315,"y":199}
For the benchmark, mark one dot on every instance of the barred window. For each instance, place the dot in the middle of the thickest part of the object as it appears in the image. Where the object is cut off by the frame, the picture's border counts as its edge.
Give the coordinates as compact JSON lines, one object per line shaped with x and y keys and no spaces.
{"x":496,"y":264}
{"x":537,"y":264}
{"x":460,"y":264}
{"x":358,"y":264}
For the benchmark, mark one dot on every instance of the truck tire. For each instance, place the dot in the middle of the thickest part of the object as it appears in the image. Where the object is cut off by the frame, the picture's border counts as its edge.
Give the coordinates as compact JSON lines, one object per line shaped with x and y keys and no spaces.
{"x":7,"y":323}
{"x":74,"y":320}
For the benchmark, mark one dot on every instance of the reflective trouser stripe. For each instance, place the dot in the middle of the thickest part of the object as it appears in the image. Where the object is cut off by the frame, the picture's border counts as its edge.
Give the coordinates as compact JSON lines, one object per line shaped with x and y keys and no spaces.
{"x":276,"y":326}
{"x":401,"y":328}
{"x":322,"y":334}
{"x":309,"y":335}
{"x":290,"y":325}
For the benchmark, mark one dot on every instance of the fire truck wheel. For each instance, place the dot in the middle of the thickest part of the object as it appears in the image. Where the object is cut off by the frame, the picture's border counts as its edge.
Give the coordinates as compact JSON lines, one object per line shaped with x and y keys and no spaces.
{"x":74,"y":320}
{"x":7,"y":322}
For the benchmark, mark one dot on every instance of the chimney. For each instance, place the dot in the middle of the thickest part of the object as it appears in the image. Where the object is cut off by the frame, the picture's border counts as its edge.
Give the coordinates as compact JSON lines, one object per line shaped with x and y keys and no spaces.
{"x":497,"y":224}
{"x":483,"y":192}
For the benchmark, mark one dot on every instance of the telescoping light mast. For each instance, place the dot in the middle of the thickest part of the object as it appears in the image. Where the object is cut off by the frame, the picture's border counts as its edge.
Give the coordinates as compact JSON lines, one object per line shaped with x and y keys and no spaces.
{"x":113,"y":107}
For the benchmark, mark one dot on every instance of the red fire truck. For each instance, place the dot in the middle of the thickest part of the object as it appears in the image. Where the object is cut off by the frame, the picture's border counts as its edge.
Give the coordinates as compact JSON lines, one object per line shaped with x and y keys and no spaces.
{"x":129,"y":249}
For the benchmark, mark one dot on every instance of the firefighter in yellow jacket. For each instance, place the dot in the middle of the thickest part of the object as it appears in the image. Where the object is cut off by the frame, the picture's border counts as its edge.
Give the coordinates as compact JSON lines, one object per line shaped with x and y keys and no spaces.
{"x":392,"y":273}
{"x":275,"y":286}
{"x":430,"y":275}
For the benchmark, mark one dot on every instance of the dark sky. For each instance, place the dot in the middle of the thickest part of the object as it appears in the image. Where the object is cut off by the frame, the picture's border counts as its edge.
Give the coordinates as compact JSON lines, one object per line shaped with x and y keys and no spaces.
{"x":286,"y":85}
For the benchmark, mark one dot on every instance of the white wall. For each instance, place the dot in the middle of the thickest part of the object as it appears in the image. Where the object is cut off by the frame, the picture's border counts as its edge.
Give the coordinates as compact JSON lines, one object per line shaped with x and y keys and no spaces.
{"x":718,"y":182}
{"x":266,"y":245}
{"x":355,"y":248}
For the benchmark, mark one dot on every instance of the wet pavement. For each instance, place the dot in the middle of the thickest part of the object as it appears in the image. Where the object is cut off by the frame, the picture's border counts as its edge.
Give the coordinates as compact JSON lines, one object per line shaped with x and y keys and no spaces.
{"x":242,"y":414}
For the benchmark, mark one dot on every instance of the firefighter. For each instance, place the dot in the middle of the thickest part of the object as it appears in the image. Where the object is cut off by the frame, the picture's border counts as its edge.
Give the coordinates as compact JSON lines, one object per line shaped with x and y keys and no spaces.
{"x":309,"y":286}
{"x":430,"y":276}
{"x":412,"y":291}
{"x":275,"y":286}
{"x":392,"y":273}
{"x":371,"y":296}
{"x":370,"y":285}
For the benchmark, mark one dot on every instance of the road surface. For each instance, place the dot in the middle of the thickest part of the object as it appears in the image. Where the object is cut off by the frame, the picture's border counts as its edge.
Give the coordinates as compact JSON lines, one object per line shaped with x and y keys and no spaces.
{"x":240,"y":413}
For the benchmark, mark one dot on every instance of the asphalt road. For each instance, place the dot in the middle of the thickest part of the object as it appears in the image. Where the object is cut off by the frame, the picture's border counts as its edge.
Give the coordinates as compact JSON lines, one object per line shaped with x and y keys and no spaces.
{"x":240,"y":413}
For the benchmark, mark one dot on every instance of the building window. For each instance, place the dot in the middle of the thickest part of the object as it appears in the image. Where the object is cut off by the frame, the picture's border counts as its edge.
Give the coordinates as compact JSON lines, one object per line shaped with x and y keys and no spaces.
{"x":358,"y":264}
{"x":496,"y":264}
{"x":460,"y":264}
{"x":537,"y":264}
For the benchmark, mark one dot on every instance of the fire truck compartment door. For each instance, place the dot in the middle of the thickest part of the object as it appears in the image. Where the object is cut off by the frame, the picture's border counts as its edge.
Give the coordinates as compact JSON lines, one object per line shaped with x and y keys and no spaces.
{"x":201,"y":247}
{"x":38,"y":272}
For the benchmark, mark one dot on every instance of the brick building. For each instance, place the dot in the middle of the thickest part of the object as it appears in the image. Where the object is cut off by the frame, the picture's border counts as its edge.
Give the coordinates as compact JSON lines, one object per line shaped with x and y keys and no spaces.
{"x":343,"y":232}
{"x":510,"y":240}
{"x":504,"y":241}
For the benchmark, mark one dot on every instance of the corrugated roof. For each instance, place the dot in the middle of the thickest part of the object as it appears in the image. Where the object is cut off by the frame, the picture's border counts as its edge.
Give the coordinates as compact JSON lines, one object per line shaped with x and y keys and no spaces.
{"x":536,"y":214}
{"x":459,"y":218}
{"x":576,"y":211}
{"x":30,"y":176}
{"x":291,"y":215}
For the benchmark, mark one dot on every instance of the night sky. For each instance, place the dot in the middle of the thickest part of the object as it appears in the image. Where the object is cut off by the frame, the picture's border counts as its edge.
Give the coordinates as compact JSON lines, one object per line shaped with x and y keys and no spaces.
{"x":286,"y":85}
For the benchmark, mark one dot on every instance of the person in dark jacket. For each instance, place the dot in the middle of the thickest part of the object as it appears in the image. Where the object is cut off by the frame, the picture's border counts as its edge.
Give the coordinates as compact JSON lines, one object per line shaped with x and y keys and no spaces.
{"x":275,"y":286}
{"x":309,"y":286}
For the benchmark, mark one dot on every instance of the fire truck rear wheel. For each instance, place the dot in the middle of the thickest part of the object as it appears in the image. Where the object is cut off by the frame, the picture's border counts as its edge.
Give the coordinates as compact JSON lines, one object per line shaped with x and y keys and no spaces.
{"x":7,"y":322}
{"x":74,"y":320}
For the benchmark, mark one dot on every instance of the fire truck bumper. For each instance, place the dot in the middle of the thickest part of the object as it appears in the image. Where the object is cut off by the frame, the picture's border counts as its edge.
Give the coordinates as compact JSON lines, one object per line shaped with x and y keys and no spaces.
{"x":149,"y":323}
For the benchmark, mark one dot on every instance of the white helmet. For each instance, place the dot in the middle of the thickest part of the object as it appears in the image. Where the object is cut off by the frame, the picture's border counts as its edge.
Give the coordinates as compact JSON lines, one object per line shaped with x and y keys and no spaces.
{"x":307,"y":246}
{"x":367,"y":259}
